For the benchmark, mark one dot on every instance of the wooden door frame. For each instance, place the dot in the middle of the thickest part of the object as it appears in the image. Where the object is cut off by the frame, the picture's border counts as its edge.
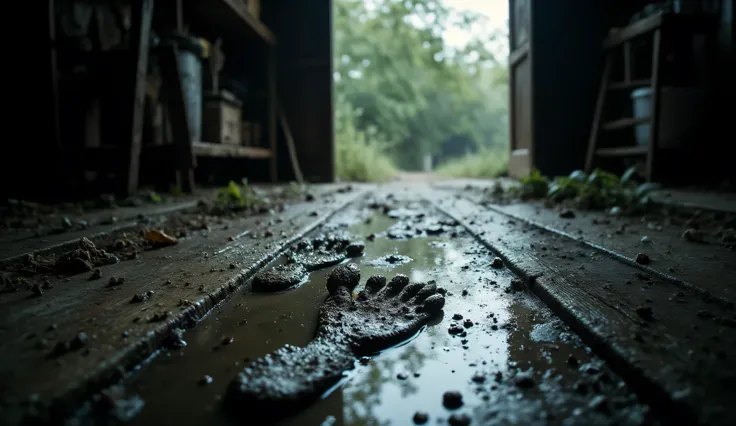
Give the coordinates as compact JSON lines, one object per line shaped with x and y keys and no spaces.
{"x":521,"y":161}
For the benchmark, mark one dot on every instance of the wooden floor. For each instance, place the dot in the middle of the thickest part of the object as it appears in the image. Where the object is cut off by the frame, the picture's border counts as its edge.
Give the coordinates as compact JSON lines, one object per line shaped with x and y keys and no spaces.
{"x":668,"y":327}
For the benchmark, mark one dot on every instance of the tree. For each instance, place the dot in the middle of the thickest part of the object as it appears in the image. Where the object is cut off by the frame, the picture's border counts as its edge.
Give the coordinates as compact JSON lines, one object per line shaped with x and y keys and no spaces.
{"x":406,"y":88}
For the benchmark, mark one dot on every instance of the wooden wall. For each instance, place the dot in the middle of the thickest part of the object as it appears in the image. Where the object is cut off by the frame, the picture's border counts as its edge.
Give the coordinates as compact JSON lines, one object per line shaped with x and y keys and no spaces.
{"x":304,"y":32}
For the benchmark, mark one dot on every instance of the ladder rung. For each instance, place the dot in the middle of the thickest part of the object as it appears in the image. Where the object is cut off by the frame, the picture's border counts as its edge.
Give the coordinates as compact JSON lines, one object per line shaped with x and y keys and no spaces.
{"x":624,"y":123}
{"x":623,"y":151}
{"x":633,"y":84}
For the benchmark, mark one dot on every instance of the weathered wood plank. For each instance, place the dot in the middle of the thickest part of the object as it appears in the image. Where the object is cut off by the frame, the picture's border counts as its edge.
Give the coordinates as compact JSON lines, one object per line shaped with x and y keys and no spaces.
{"x":709,"y":267}
{"x":140,"y":42}
{"x":16,"y":244}
{"x":678,"y":360}
{"x":187,"y":279}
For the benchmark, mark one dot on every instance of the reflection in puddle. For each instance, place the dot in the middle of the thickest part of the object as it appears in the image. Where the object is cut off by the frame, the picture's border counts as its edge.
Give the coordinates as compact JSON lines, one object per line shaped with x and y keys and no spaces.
{"x":502,"y":332}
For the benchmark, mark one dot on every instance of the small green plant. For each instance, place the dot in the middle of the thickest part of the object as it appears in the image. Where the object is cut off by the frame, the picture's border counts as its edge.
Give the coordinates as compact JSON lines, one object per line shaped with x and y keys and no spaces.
{"x":534,"y":186}
{"x":234,"y":195}
{"x":598,"y":190}
{"x":154,"y":197}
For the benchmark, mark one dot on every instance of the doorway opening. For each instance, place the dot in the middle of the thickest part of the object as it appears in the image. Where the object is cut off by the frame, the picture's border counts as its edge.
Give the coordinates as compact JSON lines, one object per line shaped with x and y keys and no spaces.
{"x":420,"y":87}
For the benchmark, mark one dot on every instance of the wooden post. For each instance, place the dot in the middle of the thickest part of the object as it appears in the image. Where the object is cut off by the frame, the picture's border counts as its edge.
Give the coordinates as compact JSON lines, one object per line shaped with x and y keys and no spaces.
{"x":602,"y":92}
{"x":272,"y":114}
{"x":54,"y":74}
{"x":627,"y":62}
{"x":657,"y":52}
{"x":139,"y":46}
{"x":183,"y":160}
{"x":179,"y":17}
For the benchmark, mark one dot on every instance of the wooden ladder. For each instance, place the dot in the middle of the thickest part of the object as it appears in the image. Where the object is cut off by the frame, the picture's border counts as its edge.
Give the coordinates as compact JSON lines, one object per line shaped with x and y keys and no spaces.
{"x":622,"y":39}
{"x":659,"y":26}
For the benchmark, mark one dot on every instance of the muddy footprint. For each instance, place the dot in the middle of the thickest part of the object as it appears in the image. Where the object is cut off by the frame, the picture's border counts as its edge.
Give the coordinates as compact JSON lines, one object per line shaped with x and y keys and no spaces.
{"x":309,"y":255}
{"x":291,"y":378}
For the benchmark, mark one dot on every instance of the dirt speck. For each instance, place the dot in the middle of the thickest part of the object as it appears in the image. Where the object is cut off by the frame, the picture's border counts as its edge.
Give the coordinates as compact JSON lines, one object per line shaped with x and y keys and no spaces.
{"x":459,"y":420}
{"x":517,"y":284}
{"x":452,"y":400}
{"x":115,"y":281}
{"x":643,"y":259}
{"x":645,"y":312}
{"x":420,"y":418}
{"x":525,"y":380}
{"x":693,"y":235}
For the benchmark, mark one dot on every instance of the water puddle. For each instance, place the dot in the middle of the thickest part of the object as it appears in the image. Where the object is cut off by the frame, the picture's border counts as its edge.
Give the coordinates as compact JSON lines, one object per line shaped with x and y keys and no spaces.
{"x":508,"y":357}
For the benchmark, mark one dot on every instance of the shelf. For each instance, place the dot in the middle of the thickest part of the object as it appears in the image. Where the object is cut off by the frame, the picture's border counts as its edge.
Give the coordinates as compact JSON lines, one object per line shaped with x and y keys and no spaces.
{"x":634,"y":30}
{"x":677,"y":22}
{"x":623,"y":151}
{"x":633,"y":84}
{"x":624,"y":123}
{"x":228,"y":19}
{"x":206,"y":149}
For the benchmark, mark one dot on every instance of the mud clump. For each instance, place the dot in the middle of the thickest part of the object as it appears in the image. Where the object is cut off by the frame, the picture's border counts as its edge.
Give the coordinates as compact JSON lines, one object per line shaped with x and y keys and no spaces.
{"x":355,"y":249}
{"x":517,"y":285}
{"x":279,"y":278}
{"x":645,"y":312}
{"x":291,"y":378}
{"x":452,"y":400}
{"x":693,"y":235}
{"x":459,"y":420}
{"x":525,"y":380}
{"x":420,"y":418}
{"x":115,"y":281}
{"x":643,"y":259}
{"x":307,"y":256}
{"x":347,"y":276}
{"x":81,"y":259}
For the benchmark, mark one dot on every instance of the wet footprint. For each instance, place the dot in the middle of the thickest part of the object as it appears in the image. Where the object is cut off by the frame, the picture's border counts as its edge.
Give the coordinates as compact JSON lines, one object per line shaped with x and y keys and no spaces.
{"x":291,"y":378}
{"x":309,"y":255}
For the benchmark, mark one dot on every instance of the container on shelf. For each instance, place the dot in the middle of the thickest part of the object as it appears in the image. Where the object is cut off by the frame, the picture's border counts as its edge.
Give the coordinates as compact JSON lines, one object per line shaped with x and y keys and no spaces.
{"x":190,"y":68}
{"x":246,"y":133}
{"x":681,"y":116}
{"x":222,"y":122}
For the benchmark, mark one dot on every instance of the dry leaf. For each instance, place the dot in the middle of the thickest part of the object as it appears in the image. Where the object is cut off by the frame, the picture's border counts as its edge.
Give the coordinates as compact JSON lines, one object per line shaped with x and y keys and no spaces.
{"x":160,"y":237}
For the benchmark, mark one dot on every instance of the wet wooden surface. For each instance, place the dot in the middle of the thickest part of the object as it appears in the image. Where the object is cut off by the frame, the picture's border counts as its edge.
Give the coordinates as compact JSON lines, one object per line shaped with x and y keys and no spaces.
{"x":680,"y":358}
{"x":706,"y":265}
{"x":187,"y":279}
{"x":20,"y":241}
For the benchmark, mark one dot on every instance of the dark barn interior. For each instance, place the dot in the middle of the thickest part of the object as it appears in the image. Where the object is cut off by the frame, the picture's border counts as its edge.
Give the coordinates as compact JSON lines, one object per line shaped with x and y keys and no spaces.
{"x":176,"y":247}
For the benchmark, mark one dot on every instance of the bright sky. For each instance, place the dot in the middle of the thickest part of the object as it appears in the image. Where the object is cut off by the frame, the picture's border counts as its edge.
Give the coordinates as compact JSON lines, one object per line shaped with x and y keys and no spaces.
{"x":497,"y":12}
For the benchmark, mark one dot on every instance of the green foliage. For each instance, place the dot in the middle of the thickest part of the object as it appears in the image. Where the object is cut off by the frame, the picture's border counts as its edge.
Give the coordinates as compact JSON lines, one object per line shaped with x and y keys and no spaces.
{"x":154,"y":197}
{"x":534,"y":186}
{"x":599,"y":190}
{"x":406,"y":91}
{"x":360,"y":154}
{"x":486,"y":163}
{"x":236,"y":196}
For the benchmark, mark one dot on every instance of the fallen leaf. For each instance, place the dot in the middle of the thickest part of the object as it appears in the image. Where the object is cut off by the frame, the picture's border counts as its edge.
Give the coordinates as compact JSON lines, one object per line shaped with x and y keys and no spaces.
{"x":159,"y":237}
